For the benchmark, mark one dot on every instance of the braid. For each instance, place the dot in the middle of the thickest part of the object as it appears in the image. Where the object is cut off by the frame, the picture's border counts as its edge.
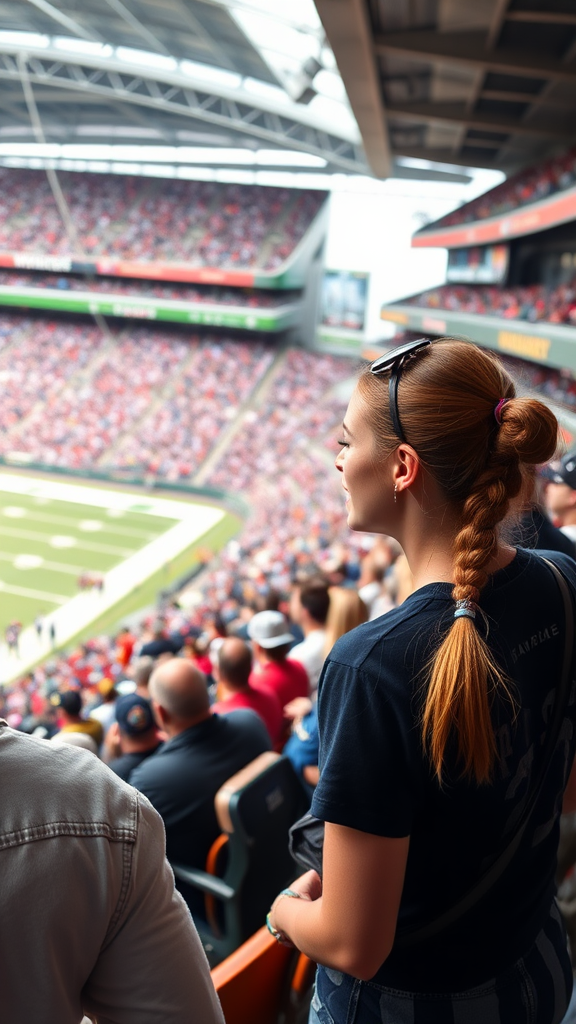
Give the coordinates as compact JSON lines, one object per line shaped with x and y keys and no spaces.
{"x":464,"y":673}
{"x":485,"y":507}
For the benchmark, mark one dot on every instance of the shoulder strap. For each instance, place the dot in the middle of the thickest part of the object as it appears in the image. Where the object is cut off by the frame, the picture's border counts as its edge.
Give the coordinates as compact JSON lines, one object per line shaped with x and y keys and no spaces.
{"x":410,"y":937}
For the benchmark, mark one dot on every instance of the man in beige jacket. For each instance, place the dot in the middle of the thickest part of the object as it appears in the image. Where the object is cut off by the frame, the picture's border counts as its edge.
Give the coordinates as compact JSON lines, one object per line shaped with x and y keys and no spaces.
{"x":89,"y":918}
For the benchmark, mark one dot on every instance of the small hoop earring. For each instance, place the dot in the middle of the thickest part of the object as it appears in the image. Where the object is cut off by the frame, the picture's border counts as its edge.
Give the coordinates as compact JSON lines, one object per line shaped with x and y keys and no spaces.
{"x":395,"y":493}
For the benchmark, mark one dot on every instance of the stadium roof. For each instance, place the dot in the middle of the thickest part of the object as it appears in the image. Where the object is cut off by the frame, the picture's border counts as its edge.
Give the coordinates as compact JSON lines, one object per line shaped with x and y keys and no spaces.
{"x":482,"y":83}
{"x":226,"y":75}
{"x":121,"y":84}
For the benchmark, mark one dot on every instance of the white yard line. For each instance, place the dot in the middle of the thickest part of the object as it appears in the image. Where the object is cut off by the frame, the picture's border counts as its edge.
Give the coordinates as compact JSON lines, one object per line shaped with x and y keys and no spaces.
{"x":31,"y":516}
{"x":39,"y":595}
{"x":99,"y":497}
{"x":78,"y":545}
{"x":81,"y":610}
{"x":69,"y":570}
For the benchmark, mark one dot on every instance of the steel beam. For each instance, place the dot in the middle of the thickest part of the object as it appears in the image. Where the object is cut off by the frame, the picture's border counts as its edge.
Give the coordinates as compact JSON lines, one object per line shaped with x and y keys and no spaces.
{"x":457,"y":113}
{"x":170,"y":95}
{"x":542,"y":17}
{"x":446,"y":156}
{"x":498,"y":18}
{"x":470,"y":48}
{"x":350,"y":36}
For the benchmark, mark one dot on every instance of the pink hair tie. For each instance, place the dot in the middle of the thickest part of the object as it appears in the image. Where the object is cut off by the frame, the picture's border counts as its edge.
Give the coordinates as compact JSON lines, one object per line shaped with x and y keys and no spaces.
{"x":498,"y":410}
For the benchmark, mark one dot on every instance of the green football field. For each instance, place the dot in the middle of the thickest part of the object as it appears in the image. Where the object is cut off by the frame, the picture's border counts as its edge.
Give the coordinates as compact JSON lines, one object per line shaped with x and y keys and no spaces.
{"x":54,"y":530}
{"x":46,"y":544}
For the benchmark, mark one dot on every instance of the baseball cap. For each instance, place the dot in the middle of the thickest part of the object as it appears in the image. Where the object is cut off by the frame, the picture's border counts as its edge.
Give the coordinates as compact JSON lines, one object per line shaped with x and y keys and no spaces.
{"x":134,"y":714}
{"x":563,"y":471}
{"x":269,"y":629}
{"x":69,"y":700}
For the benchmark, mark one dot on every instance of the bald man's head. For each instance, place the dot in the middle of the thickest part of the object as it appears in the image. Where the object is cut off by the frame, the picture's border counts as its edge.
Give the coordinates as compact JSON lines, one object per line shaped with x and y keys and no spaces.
{"x":180,"y":690}
{"x":234,"y":663}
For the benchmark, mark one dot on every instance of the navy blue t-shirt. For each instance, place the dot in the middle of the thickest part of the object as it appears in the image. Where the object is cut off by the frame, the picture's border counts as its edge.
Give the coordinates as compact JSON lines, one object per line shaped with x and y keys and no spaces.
{"x":375,"y":777}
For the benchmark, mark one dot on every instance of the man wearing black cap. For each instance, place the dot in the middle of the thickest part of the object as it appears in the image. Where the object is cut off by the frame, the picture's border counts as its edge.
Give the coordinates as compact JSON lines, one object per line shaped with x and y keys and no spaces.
{"x":561,"y":493}
{"x":137,"y":734}
{"x":69,"y":704}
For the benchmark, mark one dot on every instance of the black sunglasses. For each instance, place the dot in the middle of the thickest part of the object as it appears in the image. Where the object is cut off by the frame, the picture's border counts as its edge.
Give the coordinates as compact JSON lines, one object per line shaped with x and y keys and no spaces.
{"x":394,"y":361}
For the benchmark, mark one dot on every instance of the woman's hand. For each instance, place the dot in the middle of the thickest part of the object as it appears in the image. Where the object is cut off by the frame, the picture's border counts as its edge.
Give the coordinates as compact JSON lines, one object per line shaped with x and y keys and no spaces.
{"x":309,"y":885}
{"x":347,"y":920}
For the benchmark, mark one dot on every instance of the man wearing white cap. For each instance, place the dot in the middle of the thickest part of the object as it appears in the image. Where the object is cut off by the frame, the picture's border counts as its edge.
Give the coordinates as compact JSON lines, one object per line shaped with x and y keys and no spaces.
{"x":271,"y":638}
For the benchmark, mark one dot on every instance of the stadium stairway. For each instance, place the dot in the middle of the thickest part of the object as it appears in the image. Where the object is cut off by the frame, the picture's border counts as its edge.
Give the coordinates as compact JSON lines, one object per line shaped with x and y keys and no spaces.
{"x":275,"y":233}
{"x":251,"y":404}
{"x":117,"y":228}
{"x":198,"y":232}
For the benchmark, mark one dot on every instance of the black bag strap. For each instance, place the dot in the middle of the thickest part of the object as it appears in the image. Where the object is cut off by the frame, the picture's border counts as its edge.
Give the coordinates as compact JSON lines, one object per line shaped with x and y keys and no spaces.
{"x":409,"y":937}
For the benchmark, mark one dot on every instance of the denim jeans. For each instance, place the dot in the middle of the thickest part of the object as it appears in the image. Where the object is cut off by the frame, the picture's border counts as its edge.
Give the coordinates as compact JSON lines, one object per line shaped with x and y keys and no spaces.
{"x":536,"y":990}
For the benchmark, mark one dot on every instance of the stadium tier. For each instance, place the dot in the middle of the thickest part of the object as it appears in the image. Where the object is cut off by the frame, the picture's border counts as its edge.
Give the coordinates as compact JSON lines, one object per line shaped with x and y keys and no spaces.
{"x":518,"y":295}
{"x":232,"y":256}
{"x":549,"y":189}
{"x":207,"y":294}
{"x":247,"y":309}
{"x":142,"y":227}
{"x":534,"y":303}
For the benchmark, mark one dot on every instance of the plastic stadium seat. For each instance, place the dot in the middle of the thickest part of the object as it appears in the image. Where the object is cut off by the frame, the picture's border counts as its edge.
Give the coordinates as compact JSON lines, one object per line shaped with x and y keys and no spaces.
{"x":255,"y":809}
{"x":264,"y":983}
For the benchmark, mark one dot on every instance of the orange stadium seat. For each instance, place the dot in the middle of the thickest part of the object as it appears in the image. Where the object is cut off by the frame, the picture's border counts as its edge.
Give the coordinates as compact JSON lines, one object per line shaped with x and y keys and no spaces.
{"x":264,"y":983}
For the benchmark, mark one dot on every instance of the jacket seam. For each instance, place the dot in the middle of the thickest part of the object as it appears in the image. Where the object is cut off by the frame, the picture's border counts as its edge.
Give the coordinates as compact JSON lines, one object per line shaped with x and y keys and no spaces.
{"x":127,"y":861}
{"x":49,"y":830}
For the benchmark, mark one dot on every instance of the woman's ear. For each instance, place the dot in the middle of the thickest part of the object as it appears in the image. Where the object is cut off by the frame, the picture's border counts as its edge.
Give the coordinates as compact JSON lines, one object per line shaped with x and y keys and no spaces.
{"x":406,"y":467}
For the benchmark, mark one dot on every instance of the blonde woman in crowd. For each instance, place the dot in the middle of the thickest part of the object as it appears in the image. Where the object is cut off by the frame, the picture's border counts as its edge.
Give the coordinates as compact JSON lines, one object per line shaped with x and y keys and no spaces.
{"x":347,"y":610}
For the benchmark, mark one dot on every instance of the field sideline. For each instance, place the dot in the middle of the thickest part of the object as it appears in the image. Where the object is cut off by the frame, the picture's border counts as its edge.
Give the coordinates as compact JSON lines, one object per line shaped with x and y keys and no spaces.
{"x":53,"y":531}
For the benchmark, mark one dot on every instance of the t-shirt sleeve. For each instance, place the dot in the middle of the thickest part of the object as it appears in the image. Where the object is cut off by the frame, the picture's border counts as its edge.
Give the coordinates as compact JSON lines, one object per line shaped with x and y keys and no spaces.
{"x":369,"y":752}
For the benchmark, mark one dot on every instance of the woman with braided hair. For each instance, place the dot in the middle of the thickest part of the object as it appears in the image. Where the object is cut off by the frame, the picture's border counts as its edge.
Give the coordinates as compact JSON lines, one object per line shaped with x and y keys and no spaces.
{"x":440,"y":794}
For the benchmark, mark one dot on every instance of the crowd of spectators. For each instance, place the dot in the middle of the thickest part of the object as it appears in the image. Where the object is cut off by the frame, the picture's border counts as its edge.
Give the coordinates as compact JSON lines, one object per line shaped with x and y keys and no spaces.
{"x":206,"y":395}
{"x":533,"y":302}
{"x":73,"y":422}
{"x":528,"y":186}
{"x":220,"y":295}
{"x":37,"y":358}
{"x":136,"y":218}
{"x":558,"y":385}
{"x":72,"y":396}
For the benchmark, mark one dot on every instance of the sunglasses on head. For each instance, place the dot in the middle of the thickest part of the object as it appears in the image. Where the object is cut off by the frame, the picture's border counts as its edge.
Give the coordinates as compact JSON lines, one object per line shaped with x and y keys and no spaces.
{"x":394,"y":361}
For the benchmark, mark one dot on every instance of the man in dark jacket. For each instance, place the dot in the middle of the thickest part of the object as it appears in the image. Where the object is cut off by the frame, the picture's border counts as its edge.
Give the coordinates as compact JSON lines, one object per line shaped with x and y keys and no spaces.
{"x":202,"y":752}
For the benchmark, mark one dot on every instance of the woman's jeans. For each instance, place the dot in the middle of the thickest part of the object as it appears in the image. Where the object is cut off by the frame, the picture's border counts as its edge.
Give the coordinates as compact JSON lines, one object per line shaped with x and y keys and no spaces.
{"x":536,"y":990}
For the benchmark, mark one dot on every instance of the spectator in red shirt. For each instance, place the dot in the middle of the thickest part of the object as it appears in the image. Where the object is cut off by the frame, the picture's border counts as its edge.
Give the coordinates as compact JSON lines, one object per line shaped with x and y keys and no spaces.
{"x":271,"y":639}
{"x":124,"y":646}
{"x":235,"y":690}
